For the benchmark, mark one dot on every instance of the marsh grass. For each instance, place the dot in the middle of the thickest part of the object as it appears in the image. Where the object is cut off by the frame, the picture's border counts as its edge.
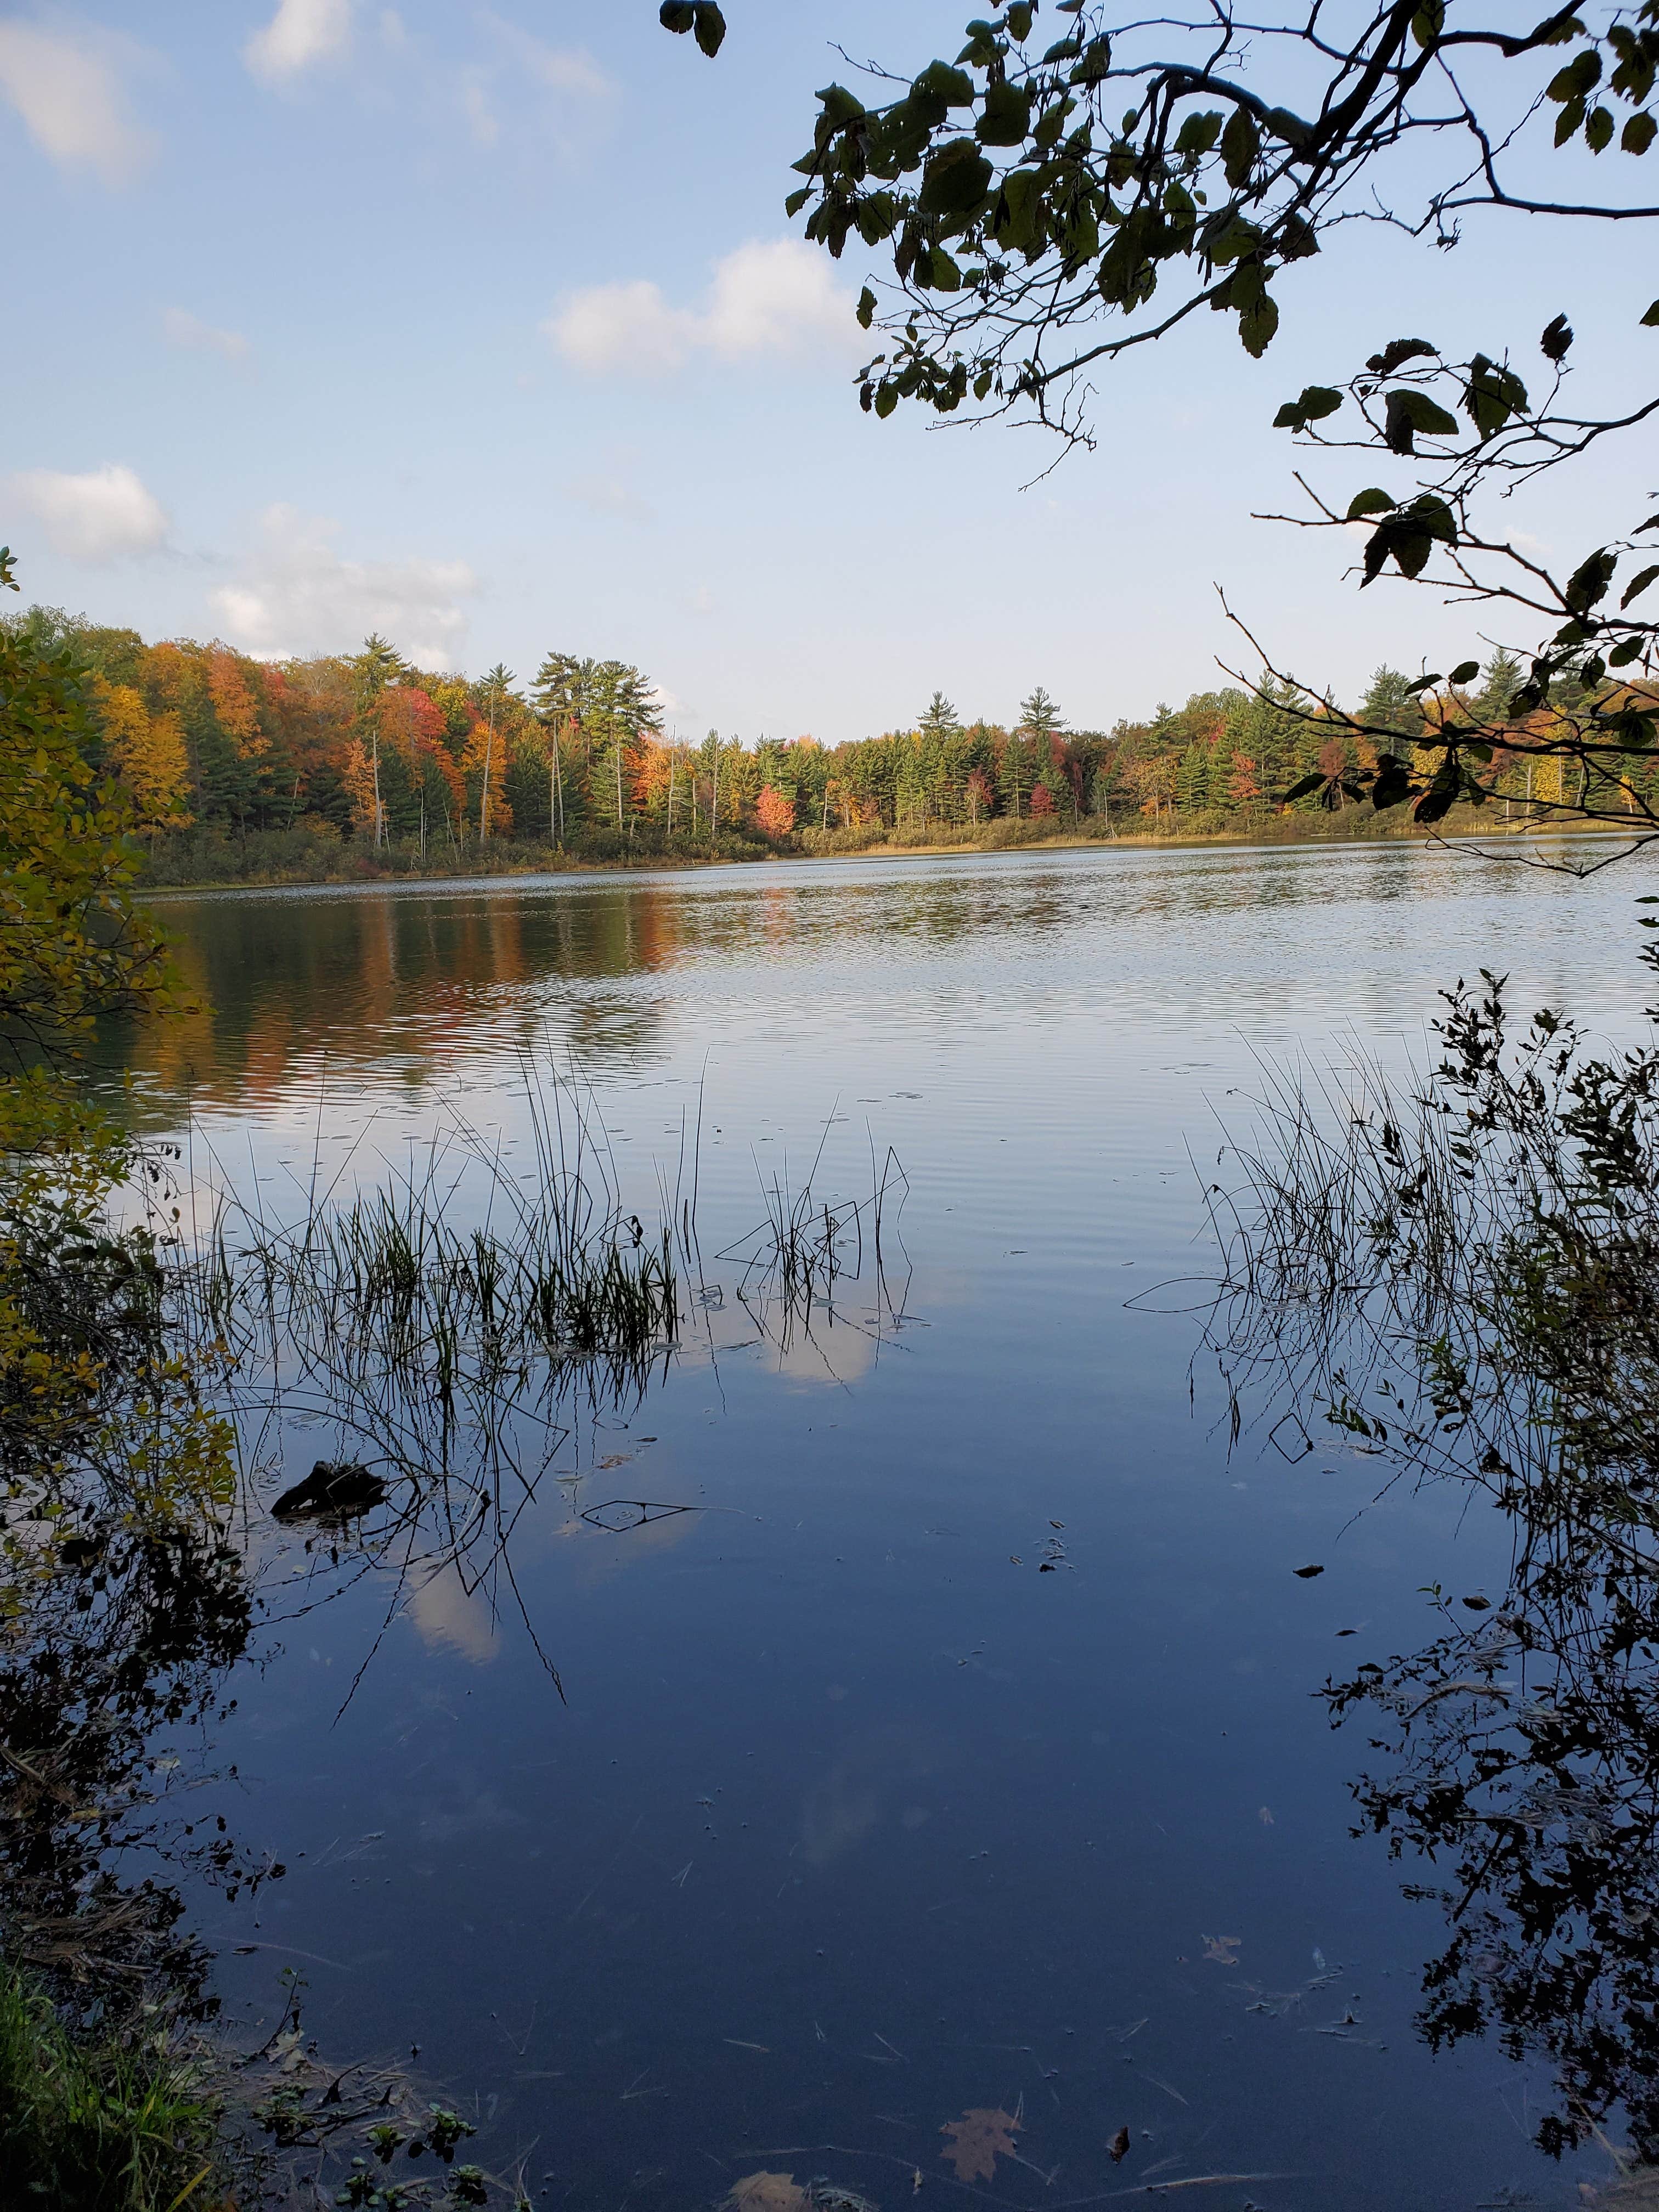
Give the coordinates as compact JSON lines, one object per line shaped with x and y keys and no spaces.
{"x":111,"y":2125}
{"x":1460,"y":1278}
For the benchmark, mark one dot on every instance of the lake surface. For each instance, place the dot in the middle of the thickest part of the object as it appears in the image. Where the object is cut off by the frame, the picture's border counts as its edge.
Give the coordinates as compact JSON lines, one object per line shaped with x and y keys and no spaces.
{"x":845,"y":1818}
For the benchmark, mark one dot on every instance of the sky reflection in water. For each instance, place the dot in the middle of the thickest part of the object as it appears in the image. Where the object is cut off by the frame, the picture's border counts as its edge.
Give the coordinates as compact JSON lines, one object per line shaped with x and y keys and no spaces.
{"x":855,"y":1818}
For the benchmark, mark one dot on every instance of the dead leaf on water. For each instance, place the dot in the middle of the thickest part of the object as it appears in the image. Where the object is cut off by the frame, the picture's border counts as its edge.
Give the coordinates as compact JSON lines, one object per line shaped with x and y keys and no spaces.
{"x":980,"y":2139}
{"x":1118,"y":2146}
{"x":1303,"y":1574}
{"x":916,"y":2182}
{"x":1223,"y":1949}
{"x":768,"y":2192}
{"x":1265,"y":1817}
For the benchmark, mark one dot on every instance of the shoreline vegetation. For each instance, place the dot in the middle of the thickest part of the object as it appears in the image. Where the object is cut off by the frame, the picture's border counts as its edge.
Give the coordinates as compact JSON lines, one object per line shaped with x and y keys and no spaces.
{"x":360,"y":768}
{"x":278,"y":861}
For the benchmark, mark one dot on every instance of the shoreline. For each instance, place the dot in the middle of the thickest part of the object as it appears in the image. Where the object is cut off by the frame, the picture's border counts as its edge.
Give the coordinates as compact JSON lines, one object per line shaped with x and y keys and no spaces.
{"x":1264,"y":837}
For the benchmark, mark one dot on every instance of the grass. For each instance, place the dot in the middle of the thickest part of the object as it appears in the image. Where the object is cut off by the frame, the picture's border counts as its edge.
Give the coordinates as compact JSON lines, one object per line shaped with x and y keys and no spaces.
{"x":112,"y":2126}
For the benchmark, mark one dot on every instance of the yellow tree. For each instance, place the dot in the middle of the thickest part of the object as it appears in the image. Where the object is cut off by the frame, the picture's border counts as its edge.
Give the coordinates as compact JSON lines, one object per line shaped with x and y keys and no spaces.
{"x":149,"y":754}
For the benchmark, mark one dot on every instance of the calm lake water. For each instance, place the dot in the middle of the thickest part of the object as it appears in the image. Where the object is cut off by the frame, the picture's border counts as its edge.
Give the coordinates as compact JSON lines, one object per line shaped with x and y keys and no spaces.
{"x":851,"y":1819}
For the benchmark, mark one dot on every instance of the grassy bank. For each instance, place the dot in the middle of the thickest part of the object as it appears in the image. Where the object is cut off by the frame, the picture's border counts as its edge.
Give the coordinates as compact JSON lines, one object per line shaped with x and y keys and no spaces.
{"x":200,"y":859}
{"x":101,"y":2125}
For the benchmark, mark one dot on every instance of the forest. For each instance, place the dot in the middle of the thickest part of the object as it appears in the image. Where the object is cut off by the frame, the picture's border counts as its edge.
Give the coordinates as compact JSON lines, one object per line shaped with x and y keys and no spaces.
{"x":361,"y":764}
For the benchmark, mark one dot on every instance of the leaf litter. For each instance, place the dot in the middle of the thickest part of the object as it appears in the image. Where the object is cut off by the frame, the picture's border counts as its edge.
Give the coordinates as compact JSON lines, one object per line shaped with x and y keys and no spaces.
{"x":979,"y":2138}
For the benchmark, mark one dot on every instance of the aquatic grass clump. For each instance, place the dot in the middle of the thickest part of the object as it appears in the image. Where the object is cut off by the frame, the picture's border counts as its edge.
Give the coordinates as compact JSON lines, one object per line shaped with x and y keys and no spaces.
{"x":1461,"y":1279}
{"x":107,"y":2124}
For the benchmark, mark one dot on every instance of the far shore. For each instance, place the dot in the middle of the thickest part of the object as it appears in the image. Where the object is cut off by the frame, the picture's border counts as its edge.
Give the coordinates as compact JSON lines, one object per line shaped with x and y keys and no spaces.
{"x":520,"y":865}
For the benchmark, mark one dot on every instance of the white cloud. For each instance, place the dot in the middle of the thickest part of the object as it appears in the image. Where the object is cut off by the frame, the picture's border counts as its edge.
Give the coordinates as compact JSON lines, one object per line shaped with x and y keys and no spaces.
{"x":301,"y":31}
{"x":575,"y":90}
{"x":100,"y":516}
{"x":628,"y":324}
{"x":771,"y":296}
{"x":183,"y":329}
{"x":480,"y":116}
{"x":297,"y":595}
{"x":608,"y":495}
{"x":65,"y":85}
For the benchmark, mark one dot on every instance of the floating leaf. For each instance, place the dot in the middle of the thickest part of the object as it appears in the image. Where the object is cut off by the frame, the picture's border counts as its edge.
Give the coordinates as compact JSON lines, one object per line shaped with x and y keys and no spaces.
{"x":1306,"y":1574}
{"x":1223,"y":1949}
{"x":768,"y":2192}
{"x":1118,"y":2146}
{"x":978,"y":2140}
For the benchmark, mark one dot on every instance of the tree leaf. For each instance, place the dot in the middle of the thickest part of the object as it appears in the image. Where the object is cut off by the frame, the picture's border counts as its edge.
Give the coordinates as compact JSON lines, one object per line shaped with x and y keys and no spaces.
{"x":1241,"y":143}
{"x":1317,"y":401}
{"x":1006,"y":118}
{"x":1465,"y":672}
{"x":956,"y":179}
{"x":1308,"y":785}
{"x":710,"y":26}
{"x":1408,"y":414}
{"x":1558,"y":336}
{"x":676,"y":14}
{"x":1398,"y":351}
{"x":1638,"y":134}
{"x":1637,"y":584}
{"x":867,"y":307}
{"x":1371,"y":502}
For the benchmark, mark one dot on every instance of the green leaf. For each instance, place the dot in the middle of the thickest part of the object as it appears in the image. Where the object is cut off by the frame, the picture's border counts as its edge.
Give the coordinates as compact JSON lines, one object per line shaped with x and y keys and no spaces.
{"x":838,"y":106}
{"x":710,"y":26}
{"x":1637,"y":585}
{"x":1199,"y":132}
{"x":1408,"y":414}
{"x":1393,"y":785}
{"x":1367,"y":503}
{"x":1007,"y":116}
{"x":956,"y":178}
{"x":1598,"y":131}
{"x":1651,"y":320}
{"x":1257,"y":322}
{"x":676,"y":14}
{"x":1302,"y":790}
{"x":1577,"y":80}
{"x":886,"y":400}
{"x":945,"y":273}
{"x":1465,"y":672}
{"x":1317,"y":401}
{"x":1491,"y":396}
{"x":1240,"y":144}
{"x":1429,"y":22}
{"x":1589,"y":583}
{"x":1019,"y":19}
{"x":1638,"y":134}
{"x":1436,"y":802}
{"x":866,"y":308}
{"x":1397,"y":350}
{"x":942,"y":87}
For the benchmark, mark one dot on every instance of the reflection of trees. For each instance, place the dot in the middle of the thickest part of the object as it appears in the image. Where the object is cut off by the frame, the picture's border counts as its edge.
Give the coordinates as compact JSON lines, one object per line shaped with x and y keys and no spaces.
{"x":127,"y":1633}
{"x":1466,"y":1282}
{"x":424,"y":980}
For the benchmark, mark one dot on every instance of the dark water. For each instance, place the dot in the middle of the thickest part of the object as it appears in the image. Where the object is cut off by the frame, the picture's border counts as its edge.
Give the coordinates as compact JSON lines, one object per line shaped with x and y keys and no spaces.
{"x":852,"y":1819}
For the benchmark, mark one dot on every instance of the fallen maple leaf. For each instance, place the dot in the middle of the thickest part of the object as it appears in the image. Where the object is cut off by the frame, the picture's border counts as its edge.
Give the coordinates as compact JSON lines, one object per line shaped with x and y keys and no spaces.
{"x":981,"y":2139}
{"x":768,"y":2192}
{"x":1222,"y":1948}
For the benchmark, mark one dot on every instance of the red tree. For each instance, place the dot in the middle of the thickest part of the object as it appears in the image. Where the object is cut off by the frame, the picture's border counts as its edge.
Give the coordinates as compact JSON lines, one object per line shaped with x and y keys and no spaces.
{"x":775,"y":815}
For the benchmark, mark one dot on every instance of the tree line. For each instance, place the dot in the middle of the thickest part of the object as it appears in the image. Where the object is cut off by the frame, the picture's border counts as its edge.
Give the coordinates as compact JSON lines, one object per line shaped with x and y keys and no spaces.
{"x":409,"y":766}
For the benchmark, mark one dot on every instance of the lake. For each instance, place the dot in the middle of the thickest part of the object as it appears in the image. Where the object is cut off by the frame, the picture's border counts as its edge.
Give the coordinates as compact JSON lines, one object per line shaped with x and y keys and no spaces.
{"x":960,"y":1751}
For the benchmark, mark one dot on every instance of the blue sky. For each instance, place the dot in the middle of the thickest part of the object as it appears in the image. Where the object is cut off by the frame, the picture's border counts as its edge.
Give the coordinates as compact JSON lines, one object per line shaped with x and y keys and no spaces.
{"x":482,"y":325}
